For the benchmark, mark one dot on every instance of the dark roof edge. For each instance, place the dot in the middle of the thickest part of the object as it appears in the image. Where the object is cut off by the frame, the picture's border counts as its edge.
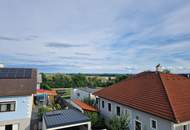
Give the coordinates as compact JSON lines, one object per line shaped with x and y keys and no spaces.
{"x":65,"y":124}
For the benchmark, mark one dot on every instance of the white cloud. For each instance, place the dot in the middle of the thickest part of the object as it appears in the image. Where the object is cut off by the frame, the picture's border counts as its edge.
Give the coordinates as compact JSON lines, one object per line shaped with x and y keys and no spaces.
{"x":127,"y":35}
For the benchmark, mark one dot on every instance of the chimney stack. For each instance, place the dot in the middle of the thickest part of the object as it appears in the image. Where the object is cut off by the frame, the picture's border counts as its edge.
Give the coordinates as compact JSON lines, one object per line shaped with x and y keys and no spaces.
{"x":158,"y":68}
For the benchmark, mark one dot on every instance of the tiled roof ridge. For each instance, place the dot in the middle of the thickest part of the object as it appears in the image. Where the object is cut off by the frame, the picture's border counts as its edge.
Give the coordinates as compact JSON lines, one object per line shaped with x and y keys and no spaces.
{"x":167,"y":95}
{"x":124,"y":80}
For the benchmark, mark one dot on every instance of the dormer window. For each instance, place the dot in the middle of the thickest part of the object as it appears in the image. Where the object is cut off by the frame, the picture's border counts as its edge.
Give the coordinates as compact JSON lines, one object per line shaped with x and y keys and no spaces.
{"x":7,"y":106}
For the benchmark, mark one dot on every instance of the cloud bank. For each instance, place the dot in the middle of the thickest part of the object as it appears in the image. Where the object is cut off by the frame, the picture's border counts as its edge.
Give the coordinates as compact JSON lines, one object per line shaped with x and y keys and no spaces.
{"x":123,"y":36}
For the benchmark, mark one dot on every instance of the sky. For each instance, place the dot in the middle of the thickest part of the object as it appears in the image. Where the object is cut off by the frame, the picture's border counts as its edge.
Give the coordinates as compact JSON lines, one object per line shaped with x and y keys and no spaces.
{"x":95,"y":36}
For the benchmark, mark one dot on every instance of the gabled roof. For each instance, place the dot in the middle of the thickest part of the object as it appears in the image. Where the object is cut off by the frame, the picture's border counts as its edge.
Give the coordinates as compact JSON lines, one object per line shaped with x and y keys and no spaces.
{"x":84,"y":106}
{"x":163,"y":95}
{"x":17,"y":81}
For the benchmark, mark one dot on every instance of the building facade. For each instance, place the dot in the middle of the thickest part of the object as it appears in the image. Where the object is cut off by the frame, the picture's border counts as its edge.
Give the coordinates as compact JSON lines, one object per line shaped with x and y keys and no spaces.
{"x":137,"y":118}
{"x":82,"y":93}
{"x":16,"y":98}
{"x":15,"y":112}
{"x":151,"y":100}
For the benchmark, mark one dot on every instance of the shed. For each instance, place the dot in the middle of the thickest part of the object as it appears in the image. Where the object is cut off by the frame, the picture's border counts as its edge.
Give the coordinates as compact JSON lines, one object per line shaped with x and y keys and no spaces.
{"x":65,"y":120}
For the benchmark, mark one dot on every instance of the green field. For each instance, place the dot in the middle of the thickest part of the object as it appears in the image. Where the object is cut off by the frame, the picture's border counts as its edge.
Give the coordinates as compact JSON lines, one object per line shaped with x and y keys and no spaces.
{"x":67,"y":93}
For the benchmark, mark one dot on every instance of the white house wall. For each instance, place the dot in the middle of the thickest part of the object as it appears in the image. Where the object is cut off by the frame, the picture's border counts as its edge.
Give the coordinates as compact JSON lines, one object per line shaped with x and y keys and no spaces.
{"x":81,"y":96}
{"x":180,"y":126}
{"x":21,"y":115}
{"x":143,"y":117}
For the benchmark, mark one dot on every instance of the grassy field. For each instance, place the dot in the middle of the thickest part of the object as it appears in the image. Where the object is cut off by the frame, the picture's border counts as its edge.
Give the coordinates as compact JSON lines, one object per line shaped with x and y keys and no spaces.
{"x":67,"y":93}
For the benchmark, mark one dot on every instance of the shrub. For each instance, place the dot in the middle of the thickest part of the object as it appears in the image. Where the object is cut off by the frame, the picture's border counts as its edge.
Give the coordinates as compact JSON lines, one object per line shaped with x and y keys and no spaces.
{"x":42,"y":110}
{"x":119,"y":123}
{"x":93,"y":117}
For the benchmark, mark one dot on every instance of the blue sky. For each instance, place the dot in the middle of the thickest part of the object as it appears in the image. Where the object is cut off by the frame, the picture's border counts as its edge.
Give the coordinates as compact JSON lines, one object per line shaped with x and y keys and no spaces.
{"x":99,"y":36}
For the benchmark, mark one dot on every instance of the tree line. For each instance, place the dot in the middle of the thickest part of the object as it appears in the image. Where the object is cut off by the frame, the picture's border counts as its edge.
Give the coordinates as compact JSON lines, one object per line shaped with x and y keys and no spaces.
{"x":78,"y":80}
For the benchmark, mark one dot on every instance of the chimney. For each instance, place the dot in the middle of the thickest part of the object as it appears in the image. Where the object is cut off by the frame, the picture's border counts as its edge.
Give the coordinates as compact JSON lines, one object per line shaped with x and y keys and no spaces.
{"x":158,"y":68}
{"x":2,"y":65}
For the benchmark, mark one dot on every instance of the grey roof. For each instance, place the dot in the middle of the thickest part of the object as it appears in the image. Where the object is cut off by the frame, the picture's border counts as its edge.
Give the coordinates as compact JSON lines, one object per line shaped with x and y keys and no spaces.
{"x":63,"y":118}
{"x":89,"y":90}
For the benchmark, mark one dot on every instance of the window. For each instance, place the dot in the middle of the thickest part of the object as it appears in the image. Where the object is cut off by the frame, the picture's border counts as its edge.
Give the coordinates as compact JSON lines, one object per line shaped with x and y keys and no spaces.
{"x":8,"y":127}
{"x":118,"y":111}
{"x":7,"y":106}
{"x":109,"y":106}
{"x":138,"y":125}
{"x":153,"y":124}
{"x":78,"y":94}
{"x":185,"y":127}
{"x":102,"y":104}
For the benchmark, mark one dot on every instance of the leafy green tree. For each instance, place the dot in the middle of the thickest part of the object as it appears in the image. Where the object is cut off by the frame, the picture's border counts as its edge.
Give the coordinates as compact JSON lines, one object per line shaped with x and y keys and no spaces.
{"x":120,"y":78}
{"x":167,"y":71}
{"x":44,"y":77}
{"x":78,"y":81}
{"x":45,"y":86}
{"x":119,"y":123}
{"x":42,"y":110}
{"x":94,"y":117}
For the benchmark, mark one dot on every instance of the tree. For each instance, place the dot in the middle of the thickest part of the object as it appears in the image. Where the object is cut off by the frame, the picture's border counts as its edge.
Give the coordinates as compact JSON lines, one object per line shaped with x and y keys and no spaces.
{"x":167,"y":71}
{"x":119,"y":123}
{"x":78,"y":81}
{"x":45,"y":86}
{"x":44,"y":77}
{"x":94,"y":117}
{"x":42,"y":110}
{"x":120,"y":78}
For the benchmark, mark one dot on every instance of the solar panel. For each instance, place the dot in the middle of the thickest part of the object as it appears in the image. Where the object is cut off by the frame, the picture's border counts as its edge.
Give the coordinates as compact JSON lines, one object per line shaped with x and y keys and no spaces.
{"x":19,"y":74}
{"x":3,"y":75}
{"x":28,"y":74}
{"x":15,"y":73}
{"x":11,"y":75}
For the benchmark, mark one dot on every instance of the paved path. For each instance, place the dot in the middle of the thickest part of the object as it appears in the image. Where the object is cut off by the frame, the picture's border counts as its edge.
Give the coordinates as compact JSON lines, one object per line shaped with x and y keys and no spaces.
{"x":34,"y":119}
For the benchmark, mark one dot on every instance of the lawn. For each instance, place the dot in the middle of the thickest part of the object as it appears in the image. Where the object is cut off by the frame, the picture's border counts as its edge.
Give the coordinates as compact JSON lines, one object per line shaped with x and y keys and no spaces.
{"x":67,"y":93}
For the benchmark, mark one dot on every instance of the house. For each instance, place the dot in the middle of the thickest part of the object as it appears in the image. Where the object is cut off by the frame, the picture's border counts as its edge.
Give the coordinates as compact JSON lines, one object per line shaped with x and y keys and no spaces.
{"x":17,"y":86}
{"x":82,"y":93}
{"x":67,"y":119}
{"x":39,"y":80}
{"x":152,"y":100}
{"x":45,"y":96}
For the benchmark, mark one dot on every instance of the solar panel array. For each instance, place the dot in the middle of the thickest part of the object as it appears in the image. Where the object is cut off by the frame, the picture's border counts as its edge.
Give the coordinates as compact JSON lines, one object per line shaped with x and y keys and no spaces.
{"x":15,"y":73}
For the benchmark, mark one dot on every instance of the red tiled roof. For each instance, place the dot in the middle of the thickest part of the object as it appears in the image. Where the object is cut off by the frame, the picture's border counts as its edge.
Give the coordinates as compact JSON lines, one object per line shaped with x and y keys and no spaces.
{"x":84,"y":106}
{"x":49,"y":92}
{"x":163,"y":95}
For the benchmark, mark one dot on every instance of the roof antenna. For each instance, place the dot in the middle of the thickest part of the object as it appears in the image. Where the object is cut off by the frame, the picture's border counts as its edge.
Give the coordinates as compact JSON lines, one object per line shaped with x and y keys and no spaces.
{"x":158,"y":68}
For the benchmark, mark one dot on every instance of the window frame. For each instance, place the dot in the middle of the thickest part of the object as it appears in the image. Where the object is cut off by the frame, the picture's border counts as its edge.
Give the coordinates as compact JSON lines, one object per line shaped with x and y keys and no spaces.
{"x":151,"y":119}
{"x":119,"y":110}
{"x":109,"y":110}
{"x":8,"y":103}
{"x":136,"y":120}
{"x":103,"y":104}
{"x":185,"y":127}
